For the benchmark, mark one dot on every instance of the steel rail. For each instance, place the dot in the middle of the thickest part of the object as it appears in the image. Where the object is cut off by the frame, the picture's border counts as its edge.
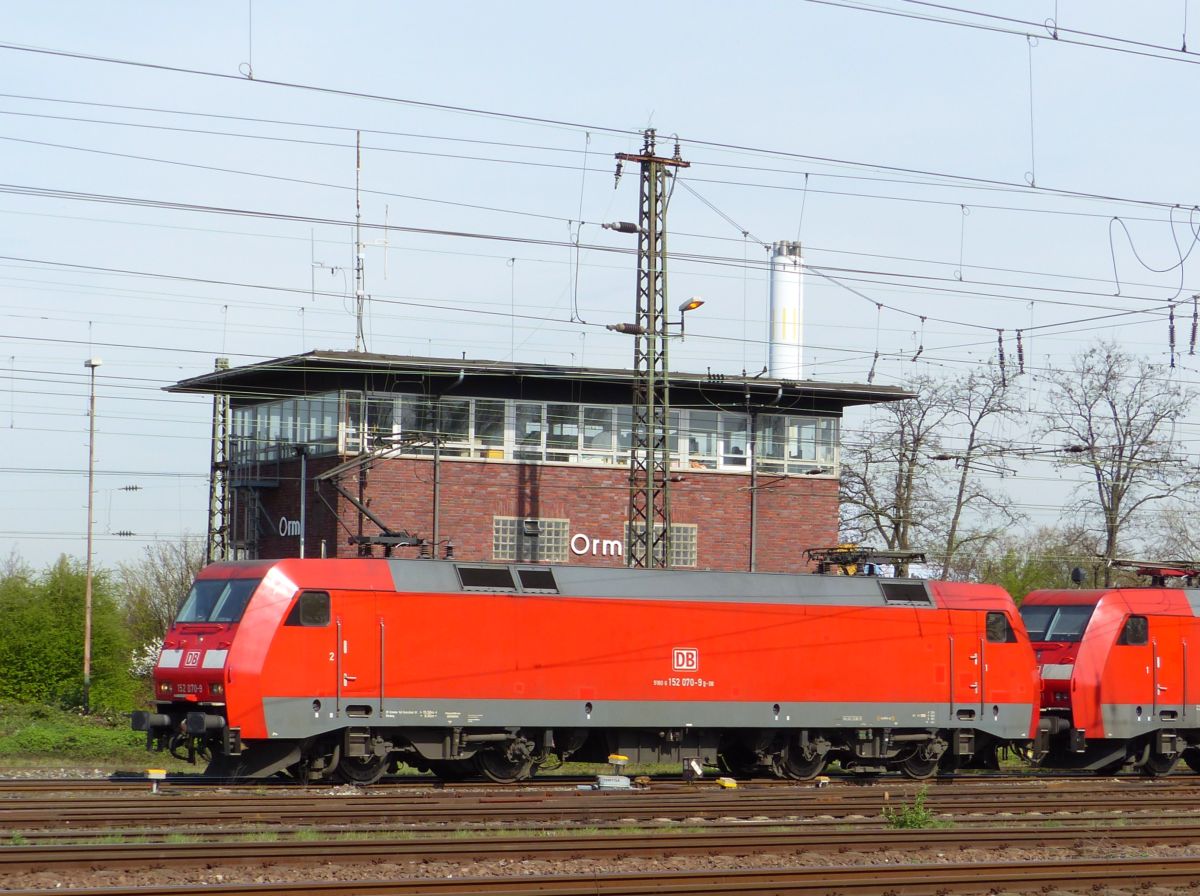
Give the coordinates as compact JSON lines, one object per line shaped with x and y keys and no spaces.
{"x":187,"y":809}
{"x":120,"y":781}
{"x":140,"y":781}
{"x":1081,"y":875}
{"x":458,"y":849}
{"x":77,"y":836}
{"x":612,"y":812}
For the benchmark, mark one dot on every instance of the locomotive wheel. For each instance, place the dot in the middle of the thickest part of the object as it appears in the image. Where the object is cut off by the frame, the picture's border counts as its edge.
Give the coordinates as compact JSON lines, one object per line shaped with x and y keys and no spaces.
{"x":1158,"y":764}
{"x":1192,"y":757}
{"x":496,"y":766}
{"x":918,"y":767}
{"x":361,"y":771}
{"x":792,"y":763}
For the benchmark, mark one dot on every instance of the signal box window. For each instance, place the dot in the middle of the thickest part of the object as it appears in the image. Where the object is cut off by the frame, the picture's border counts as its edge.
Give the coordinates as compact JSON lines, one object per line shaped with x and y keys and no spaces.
{"x":530,"y":540}
{"x":999,"y":630}
{"x":1136,"y":632}
{"x":684,"y":540}
{"x":311,"y":610}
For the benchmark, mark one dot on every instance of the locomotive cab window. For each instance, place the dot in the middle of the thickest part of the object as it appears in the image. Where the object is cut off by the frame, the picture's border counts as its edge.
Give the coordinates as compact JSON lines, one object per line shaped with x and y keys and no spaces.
{"x":1046,"y":622}
{"x":311,"y":610}
{"x":217,"y":600}
{"x":999,"y":629}
{"x":1136,"y":632}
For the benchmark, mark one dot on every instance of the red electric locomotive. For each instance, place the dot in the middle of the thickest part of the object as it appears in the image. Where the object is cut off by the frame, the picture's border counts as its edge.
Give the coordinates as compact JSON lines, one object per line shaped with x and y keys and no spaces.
{"x":1117,"y":679}
{"x":340,"y":668}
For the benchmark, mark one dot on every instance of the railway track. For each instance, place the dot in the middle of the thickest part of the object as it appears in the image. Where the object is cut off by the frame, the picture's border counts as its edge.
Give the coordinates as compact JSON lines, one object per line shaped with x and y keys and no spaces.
{"x":249,"y":832}
{"x":138,"y":781}
{"x":185,"y":809}
{"x":262,"y":833}
{"x":724,"y":841}
{"x":1089,"y":875}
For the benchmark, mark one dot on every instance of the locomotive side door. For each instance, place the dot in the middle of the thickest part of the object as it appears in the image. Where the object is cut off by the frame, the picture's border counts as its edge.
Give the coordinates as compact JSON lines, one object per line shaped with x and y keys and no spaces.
{"x":1006,"y":686}
{"x":1131,"y":679}
{"x":966,"y":662}
{"x":1168,"y":666}
{"x":356,"y":654}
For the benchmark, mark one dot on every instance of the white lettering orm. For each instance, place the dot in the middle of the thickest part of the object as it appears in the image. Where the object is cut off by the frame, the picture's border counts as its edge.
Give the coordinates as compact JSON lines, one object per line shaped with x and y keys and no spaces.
{"x":582,"y":543}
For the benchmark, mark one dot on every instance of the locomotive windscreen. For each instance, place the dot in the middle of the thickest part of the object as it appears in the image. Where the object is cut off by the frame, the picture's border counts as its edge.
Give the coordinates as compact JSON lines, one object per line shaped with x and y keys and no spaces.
{"x":1050,"y":623}
{"x":217,"y":600}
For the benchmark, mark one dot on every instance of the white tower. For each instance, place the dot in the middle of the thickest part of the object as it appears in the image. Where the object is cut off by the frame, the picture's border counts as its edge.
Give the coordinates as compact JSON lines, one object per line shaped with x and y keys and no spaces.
{"x":787,"y":312}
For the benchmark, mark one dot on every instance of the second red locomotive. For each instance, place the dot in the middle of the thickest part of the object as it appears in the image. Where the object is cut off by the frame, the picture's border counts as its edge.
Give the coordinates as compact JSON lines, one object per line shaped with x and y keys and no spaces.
{"x":1120,"y":672}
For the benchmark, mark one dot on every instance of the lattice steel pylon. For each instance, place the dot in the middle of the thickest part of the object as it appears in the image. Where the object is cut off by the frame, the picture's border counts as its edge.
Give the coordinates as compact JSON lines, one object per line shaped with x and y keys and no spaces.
{"x":650,"y":455}
{"x":219,"y":507}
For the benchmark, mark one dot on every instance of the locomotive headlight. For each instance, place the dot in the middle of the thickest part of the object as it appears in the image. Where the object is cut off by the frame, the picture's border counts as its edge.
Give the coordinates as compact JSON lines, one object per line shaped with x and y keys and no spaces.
{"x":164,"y":687}
{"x":217,"y":689}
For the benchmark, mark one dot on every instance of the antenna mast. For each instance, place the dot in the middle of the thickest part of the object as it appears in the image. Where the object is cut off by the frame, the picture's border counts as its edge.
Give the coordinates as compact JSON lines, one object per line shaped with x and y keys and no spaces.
{"x":360,"y":293}
{"x":220,"y":496}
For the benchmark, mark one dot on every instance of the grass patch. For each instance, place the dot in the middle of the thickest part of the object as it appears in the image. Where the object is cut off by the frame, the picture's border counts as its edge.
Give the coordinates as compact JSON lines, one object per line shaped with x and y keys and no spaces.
{"x":259,"y":837}
{"x":42,"y":736}
{"x":378,"y":835}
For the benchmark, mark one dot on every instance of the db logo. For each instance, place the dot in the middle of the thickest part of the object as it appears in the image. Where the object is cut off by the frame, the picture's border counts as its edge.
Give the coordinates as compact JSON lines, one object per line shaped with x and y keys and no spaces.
{"x":685,"y":659}
{"x":192,"y":658}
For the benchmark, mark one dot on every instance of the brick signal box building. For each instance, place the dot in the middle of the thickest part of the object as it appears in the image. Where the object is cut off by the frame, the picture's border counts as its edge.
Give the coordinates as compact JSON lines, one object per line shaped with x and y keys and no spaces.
{"x":324,"y":452}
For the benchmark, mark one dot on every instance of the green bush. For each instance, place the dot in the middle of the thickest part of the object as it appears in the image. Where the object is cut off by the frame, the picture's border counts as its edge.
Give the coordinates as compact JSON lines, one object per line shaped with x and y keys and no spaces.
{"x":41,"y":639}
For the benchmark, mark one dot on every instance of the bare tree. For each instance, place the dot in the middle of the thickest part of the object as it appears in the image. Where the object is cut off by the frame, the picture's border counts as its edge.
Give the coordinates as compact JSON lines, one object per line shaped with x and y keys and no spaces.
{"x":897,"y":486}
{"x":153,"y":587}
{"x":1174,"y":533}
{"x":977,"y":514}
{"x":1117,"y":416}
{"x":890,"y":487}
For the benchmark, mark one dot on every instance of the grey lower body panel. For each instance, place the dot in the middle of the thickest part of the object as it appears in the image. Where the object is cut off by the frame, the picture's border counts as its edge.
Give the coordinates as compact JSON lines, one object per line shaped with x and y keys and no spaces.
{"x":1125,"y":721}
{"x":295,"y":717}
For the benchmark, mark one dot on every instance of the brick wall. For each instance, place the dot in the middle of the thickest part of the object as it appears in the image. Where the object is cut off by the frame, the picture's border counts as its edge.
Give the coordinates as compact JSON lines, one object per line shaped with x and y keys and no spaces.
{"x":794,"y":513}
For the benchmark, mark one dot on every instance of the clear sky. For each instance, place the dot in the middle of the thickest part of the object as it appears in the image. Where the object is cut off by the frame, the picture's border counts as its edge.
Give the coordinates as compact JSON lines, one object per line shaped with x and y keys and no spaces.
{"x":197,"y":202}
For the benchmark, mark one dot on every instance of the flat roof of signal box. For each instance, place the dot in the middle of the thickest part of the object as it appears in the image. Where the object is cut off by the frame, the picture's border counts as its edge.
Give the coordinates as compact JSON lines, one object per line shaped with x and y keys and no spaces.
{"x":320,"y":371}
